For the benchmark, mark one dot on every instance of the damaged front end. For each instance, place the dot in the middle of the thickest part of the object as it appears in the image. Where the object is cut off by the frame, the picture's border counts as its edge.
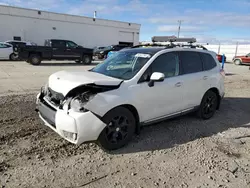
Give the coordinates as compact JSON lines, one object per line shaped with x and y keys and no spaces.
{"x":68,"y":115}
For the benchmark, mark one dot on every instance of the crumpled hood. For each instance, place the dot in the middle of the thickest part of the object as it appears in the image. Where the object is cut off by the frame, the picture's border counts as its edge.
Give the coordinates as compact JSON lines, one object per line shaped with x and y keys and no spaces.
{"x":64,"y":81}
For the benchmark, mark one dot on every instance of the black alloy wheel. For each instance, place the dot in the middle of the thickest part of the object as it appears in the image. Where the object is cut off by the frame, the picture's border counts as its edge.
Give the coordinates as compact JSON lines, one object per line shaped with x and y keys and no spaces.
{"x":119,"y":130}
{"x":208,"y":105}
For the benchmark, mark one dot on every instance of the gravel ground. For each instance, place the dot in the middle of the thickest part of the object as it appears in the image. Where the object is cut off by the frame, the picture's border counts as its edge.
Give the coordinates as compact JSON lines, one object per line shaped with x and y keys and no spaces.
{"x":183,"y":152}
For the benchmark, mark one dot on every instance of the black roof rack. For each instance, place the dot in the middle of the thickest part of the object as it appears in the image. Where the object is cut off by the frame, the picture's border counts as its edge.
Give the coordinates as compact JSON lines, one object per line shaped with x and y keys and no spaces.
{"x":172,"y":39}
{"x":158,"y":39}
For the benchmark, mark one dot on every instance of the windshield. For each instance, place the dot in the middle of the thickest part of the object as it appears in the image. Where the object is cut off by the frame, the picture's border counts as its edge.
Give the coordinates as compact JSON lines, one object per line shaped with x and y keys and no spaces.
{"x":108,"y":48}
{"x":123,"y":65}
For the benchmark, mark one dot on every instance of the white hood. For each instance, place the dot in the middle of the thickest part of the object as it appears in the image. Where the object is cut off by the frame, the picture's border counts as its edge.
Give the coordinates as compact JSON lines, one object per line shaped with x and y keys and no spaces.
{"x":64,"y":81}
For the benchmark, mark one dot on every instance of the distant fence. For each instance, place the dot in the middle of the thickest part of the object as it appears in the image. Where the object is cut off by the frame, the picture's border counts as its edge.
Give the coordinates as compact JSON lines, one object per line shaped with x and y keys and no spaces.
{"x":230,"y":50}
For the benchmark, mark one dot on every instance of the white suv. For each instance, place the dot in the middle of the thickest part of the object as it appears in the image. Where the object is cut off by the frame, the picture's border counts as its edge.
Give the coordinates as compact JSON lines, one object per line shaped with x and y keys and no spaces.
{"x":132,"y":88}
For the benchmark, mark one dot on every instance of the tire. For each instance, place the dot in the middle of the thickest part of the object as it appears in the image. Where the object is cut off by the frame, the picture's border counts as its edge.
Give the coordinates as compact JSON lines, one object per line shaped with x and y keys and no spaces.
{"x":237,"y":62}
{"x":13,"y":57}
{"x":86,"y":59}
{"x":208,"y":105}
{"x":35,"y":59}
{"x":120,"y":129}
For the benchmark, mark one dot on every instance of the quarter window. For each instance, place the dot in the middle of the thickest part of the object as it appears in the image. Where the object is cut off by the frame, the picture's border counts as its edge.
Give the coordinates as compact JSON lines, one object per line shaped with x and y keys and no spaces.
{"x":191,"y":62}
{"x":208,"y":61}
{"x":167,"y":63}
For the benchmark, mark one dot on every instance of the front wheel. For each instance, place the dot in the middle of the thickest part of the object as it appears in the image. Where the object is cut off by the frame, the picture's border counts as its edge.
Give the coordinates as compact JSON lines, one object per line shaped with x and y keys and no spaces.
{"x":120,"y":129}
{"x":208,"y":105}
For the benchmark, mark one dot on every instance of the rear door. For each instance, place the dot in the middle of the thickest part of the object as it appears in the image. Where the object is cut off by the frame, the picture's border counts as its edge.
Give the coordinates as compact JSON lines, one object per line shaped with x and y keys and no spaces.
{"x":193,"y":79}
{"x":58,"y":49}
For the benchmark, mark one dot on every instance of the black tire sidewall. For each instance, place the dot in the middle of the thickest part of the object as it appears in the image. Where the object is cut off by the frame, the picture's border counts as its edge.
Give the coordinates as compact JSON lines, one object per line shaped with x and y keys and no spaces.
{"x":102,"y":140}
{"x":84,"y":57}
{"x":201,"y":112}
{"x":35,"y":56}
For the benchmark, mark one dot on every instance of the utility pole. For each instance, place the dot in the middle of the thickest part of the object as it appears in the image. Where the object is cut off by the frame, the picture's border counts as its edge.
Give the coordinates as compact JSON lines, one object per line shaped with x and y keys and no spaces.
{"x":179,"y":27}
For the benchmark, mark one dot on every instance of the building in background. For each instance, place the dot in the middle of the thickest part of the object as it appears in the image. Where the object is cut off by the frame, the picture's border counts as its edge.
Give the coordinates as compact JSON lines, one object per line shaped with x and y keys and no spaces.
{"x":36,"y":26}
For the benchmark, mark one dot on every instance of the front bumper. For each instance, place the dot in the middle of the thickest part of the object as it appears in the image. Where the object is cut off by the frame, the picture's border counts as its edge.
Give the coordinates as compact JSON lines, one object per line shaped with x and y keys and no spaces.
{"x":76,"y":127}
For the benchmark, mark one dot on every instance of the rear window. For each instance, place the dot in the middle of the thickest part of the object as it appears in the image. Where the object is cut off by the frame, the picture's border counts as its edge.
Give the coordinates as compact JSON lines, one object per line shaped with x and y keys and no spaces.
{"x":208,"y":61}
{"x":190,"y":62}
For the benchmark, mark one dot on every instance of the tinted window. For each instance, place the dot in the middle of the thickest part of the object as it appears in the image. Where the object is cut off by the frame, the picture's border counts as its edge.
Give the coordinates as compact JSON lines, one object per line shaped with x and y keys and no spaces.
{"x":167,"y":63}
{"x":208,"y":61}
{"x":3,"y":45}
{"x":191,"y":62}
{"x":58,"y":44}
{"x":71,"y":44}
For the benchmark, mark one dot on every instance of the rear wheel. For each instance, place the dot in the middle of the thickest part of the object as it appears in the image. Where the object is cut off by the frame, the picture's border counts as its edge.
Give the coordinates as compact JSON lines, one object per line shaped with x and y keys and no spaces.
{"x":237,"y":62}
{"x":13,"y":57}
{"x":86,"y":59}
{"x":35,"y":59}
{"x":208,"y":105}
{"x":120,"y":129}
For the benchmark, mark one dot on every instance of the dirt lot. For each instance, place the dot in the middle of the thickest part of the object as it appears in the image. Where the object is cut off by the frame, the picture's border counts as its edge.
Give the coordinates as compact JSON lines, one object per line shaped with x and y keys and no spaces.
{"x":184,"y":152}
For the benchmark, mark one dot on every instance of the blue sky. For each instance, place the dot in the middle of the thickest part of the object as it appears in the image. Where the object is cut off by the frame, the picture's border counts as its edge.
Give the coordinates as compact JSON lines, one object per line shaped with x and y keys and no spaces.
{"x":213,"y":21}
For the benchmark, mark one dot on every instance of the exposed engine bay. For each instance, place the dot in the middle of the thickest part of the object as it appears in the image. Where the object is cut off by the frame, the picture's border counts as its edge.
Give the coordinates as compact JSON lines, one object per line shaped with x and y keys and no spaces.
{"x":76,"y":99}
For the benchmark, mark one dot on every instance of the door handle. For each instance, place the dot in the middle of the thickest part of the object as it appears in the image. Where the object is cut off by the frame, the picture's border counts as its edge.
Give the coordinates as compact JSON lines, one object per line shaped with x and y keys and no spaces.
{"x":178,"y":84}
{"x":205,"y":77}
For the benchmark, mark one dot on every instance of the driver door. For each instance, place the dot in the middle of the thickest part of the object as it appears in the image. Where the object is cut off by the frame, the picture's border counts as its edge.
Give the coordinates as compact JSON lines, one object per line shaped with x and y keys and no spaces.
{"x":164,"y":98}
{"x":72,"y":50}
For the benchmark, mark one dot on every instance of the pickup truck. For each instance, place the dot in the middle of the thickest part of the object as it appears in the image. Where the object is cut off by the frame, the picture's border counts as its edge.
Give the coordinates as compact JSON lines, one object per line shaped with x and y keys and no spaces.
{"x":55,"y":49}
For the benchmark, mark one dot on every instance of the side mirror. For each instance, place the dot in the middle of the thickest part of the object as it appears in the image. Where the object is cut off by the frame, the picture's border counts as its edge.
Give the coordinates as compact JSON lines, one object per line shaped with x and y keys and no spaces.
{"x":156,"y":77}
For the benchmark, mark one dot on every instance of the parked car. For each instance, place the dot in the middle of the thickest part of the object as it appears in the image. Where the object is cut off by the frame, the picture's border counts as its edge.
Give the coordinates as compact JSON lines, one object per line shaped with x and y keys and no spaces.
{"x":219,"y":57}
{"x":98,"y":48}
{"x":55,"y":49}
{"x":102,"y":54}
{"x":6,"y":51}
{"x":133,"y":88}
{"x":244,"y":59}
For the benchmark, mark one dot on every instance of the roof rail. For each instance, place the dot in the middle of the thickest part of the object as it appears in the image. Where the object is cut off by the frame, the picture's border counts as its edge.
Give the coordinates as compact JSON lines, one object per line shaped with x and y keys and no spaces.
{"x":172,"y":39}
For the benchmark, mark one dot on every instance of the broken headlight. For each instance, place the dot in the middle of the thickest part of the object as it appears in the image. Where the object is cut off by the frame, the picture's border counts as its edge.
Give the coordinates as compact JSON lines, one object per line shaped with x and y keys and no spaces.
{"x":78,"y":103}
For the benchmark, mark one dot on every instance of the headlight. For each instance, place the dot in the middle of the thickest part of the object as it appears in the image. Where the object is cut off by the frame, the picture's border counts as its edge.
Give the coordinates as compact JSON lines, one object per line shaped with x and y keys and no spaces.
{"x":44,"y":89}
{"x":77,"y":103}
{"x":101,"y":52}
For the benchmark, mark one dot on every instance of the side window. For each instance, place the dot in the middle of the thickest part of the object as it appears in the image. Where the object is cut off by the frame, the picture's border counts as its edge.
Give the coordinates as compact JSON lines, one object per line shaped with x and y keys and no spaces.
{"x":58,"y":44}
{"x":208,"y":61}
{"x":191,"y":62}
{"x":167,"y":63}
{"x":70,"y":44}
{"x":3,"y":45}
